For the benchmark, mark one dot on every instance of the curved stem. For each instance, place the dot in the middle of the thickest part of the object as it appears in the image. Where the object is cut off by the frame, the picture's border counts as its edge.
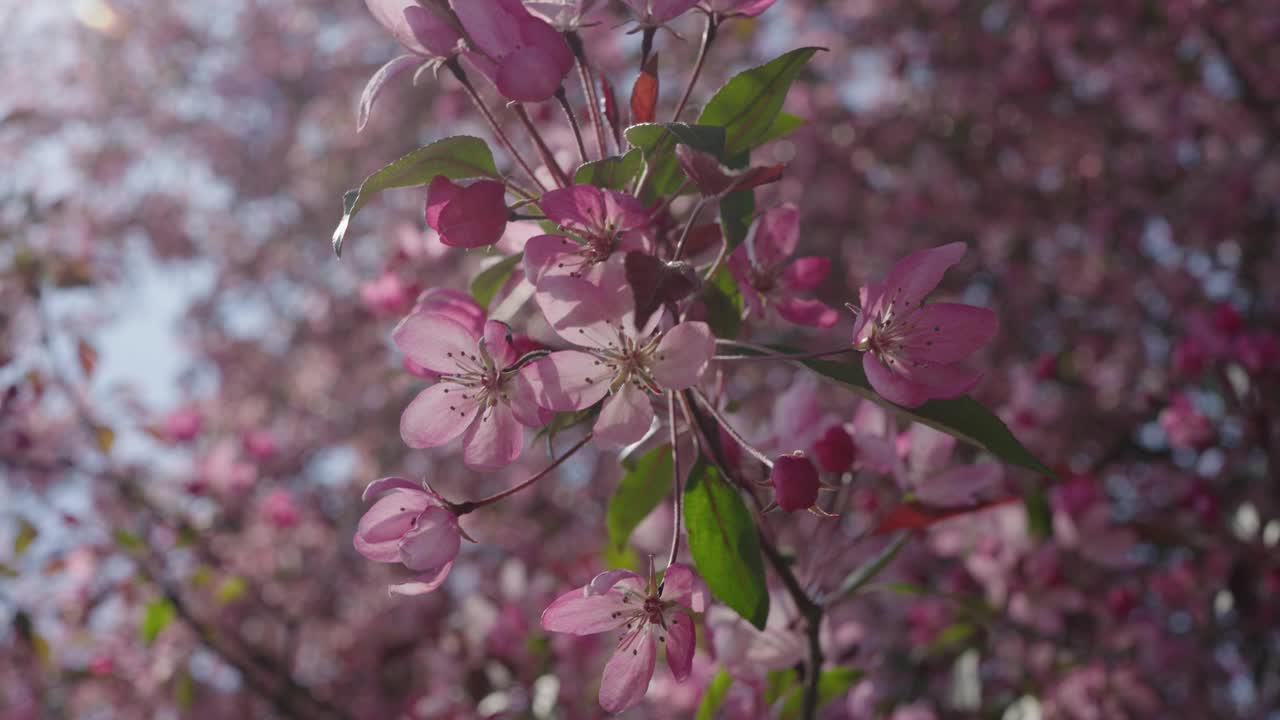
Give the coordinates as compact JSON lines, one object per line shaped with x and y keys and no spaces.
{"x":678,"y":482}
{"x":498,"y":132}
{"x":763,"y":352}
{"x":548,"y":158}
{"x":688,"y":225}
{"x":589,"y":92}
{"x":573,"y":123}
{"x":708,"y":36}
{"x":473,"y":505}
{"x":754,"y":451}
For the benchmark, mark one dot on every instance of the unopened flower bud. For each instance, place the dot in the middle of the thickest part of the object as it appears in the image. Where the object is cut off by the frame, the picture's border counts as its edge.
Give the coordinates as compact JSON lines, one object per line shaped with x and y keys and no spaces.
{"x":795,"y":482}
{"x":835,"y":450}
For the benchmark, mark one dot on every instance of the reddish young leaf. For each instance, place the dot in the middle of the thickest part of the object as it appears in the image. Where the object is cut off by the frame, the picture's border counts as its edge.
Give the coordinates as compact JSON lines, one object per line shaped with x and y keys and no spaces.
{"x":644,"y":94}
{"x":655,"y":283}
{"x":756,"y":176}
{"x":917,"y":516}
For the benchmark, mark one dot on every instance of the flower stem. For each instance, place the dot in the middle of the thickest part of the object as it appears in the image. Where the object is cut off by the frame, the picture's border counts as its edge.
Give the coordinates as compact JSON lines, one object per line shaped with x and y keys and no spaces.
{"x":573,"y":123}
{"x":677,"y":482}
{"x":708,"y":36}
{"x":754,"y":451}
{"x":688,"y":225}
{"x":472,"y":505}
{"x":762,"y":352}
{"x":456,"y":68}
{"x":589,"y":91}
{"x":548,"y":158}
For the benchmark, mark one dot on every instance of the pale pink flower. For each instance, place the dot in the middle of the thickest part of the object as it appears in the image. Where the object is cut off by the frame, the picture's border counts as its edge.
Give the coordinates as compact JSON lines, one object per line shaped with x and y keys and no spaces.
{"x":767,"y":280}
{"x":1185,"y":425}
{"x":279,"y":508}
{"x":912,"y":350}
{"x":467,"y":216}
{"x":386,"y":294}
{"x":260,"y":444}
{"x":617,"y":359}
{"x":410,"y":525}
{"x":655,"y":13}
{"x":740,"y":8}
{"x":524,"y":57}
{"x":653,"y":613}
{"x":454,"y":304}
{"x":425,"y":28}
{"x":480,"y":395}
{"x":182,"y":425}
{"x":606,"y":221}
{"x":925,"y":472}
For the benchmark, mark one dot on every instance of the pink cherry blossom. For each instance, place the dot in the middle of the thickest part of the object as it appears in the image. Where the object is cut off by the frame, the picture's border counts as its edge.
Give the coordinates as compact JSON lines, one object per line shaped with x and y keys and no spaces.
{"x":426,"y":28}
{"x":606,"y":221}
{"x":524,"y":57}
{"x":1185,"y":425}
{"x":478,"y":396}
{"x":182,"y":425}
{"x":386,"y":294}
{"x":925,"y":471}
{"x":912,"y":350}
{"x":653,"y":613}
{"x":409,"y":525}
{"x":467,"y":216}
{"x":760,"y":266}
{"x":616,"y":359}
{"x":281,"y":509}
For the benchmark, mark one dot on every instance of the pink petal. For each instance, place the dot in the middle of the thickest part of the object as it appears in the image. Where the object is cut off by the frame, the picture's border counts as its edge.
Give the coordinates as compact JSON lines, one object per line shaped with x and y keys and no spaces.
{"x":773,"y":237}
{"x":433,"y":542}
{"x":589,"y":209}
{"x":544,"y":252}
{"x":568,"y":380}
{"x":494,"y":440}
{"x":930,"y":450}
{"x":434,"y":341}
{"x":475,"y":217}
{"x":625,"y":417}
{"x":386,"y":484}
{"x":497,"y":342}
{"x":627,"y":674}
{"x":949,"y":332}
{"x":440,"y":193}
{"x":436,"y":33}
{"x":577,"y":613}
{"x":961,"y":485}
{"x":877,"y":454}
{"x":806,"y":273}
{"x":493,"y":26}
{"x":424,"y":583}
{"x":522,"y":399}
{"x":379,"y":80}
{"x":682,"y":355}
{"x":381,"y":527}
{"x":576,"y":309}
{"x":868,"y":298}
{"x":892,"y":386}
{"x":916,"y":275}
{"x":681,"y":642}
{"x":438,"y":415}
{"x":808,"y":312}
{"x":681,"y":585}
{"x":946,"y":381}
{"x":528,"y":74}
{"x":609,"y":579}
{"x":455,"y":305}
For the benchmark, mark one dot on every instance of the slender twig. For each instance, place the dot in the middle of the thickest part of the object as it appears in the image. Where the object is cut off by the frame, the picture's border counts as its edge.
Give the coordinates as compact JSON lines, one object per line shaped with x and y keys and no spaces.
{"x":548,"y":157}
{"x":688,"y":225}
{"x":708,"y":36}
{"x":573,"y":123}
{"x":677,"y":511}
{"x":470,"y":506}
{"x":780,"y":356}
{"x":587,"y":77}
{"x":754,"y":451}
{"x":498,"y":132}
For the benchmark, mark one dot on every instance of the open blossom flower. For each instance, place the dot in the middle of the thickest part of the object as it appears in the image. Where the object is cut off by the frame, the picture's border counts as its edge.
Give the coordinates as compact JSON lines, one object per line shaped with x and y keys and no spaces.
{"x":409,"y":525}
{"x":386,"y":294}
{"x":913,"y":351}
{"x":925,"y":471}
{"x":524,"y":57}
{"x":617,"y":359}
{"x":467,"y":216}
{"x":477,"y":395}
{"x":760,"y":266}
{"x":426,"y":28}
{"x":607,"y":221}
{"x":652,"y":614}
{"x":564,"y":15}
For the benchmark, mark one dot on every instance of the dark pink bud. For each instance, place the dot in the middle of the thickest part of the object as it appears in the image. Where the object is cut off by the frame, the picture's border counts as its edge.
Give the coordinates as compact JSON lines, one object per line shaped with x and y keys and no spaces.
{"x":260,"y":444}
{"x":835,"y":450}
{"x":182,"y":425}
{"x":1121,"y":601}
{"x":467,"y":216}
{"x":1189,"y":358}
{"x":795,"y":482}
{"x":1227,"y":319}
{"x":1046,"y":367}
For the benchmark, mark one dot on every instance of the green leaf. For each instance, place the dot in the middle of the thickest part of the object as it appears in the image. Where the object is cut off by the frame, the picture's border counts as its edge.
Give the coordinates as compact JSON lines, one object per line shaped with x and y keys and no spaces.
{"x":952,"y":636}
{"x":639,"y":492}
{"x":231,"y":589}
{"x":6,"y":571}
{"x":184,"y":689}
{"x":657,"y":141}
{"x":748,"y":105}
{"x":832,"y":684}
{"x":725,"y":545}
{"x":962,"y":417}
{"x":777,"y":683}
{"x":611,"y":173}
{"x":714,"y":695}
{"x":782,"y":126}
{"x":157,"y":616}
{"x":736,"y":212}
{"x":724,"y":304}
{"x":27,"y":534}
{"x":487,"y":284}
{"x":127,"y":541}
{"x":865,"y":574}
{"x":456,"y":157}
{"x":1039,"y":514}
